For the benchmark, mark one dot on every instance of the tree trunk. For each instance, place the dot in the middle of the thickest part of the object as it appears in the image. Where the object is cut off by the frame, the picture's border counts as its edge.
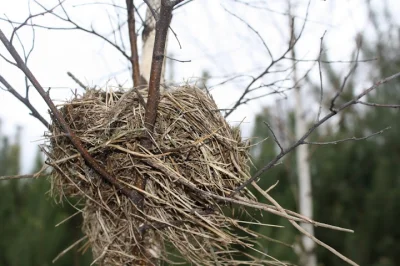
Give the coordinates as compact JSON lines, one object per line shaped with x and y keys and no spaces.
{"x":307,"y":249}
{"x":148,"y":37}
{"x":307,"y":257}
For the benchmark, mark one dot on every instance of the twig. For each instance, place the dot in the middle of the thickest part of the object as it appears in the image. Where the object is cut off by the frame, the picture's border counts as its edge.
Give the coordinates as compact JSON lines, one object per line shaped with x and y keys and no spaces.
{"x":181,"y":61}
{"x":298,"y":227}
{"x":14,"y":177}
{"x":301,"y":141}
{"x":268,"y":68}
{"x":252,"y":29}
{"x":320,"y":77}
{"x":379,"y":105}
{"x":40,"y":173}
{"x":331,"y":62}
{"x":76,"y":27}
{"x":96,"y":3}
{"x":178,"y":6}
{"x":69,"y":248}
{"x":175,"y":2}
{"x":77,"y":80}
{"x":152,"y":10}
{"x":134,"y":59}
{"x":153,"y":162}
{"x":7,"y":60}
{"x":340,"y":91}
{"x":176,"y":37}
{"x":347,"y":139}
{"x":274,"y":136}
{"x":31,"y":17}
{"x":25,"y":101}
{"x":133,"y":195}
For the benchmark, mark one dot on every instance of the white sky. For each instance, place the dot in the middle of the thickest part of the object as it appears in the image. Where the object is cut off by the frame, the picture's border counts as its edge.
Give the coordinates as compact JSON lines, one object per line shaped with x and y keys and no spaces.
{"x":210,"y":37}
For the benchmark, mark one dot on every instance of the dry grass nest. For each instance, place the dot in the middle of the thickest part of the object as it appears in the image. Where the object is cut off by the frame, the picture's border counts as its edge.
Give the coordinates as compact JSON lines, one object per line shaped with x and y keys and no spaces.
{"x":195,"y":153}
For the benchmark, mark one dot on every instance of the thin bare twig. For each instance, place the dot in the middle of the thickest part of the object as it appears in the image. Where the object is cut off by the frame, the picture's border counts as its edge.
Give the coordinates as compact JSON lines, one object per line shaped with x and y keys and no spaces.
{"x":176,"y":37}
{"x":14,"y":177}
{"x":347,"y":139}
{"x":274,"y":136}
{"x":76,"y":27}
{"x":181,"y":61}
{"x":301,"y":141}
{"x":395,"y":106}
{"x":25,"y":101}
{"x":268,"y":68}
{"x":134,"y":59}
{"x":152,"y":10}
{"x":331,"y":61}
{"x":340,"y":91}
{"x":320,"y":77}
{"x":175,"y":2}
{"x":237,"y":199}
{"x":38,"y":174}
{"x":252,"y":29}
{"x":7,"y":60}
{"x":131,"y":194}
{"x":30,"y":17}
{"x":96,"y":3}
{"x":76,"y":80}
{"x":301,"y":229}
{"x":181,"y":5}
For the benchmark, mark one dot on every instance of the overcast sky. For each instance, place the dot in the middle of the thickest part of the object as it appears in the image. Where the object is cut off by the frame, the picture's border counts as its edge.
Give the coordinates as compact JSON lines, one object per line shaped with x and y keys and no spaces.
{"x":210,"y":37}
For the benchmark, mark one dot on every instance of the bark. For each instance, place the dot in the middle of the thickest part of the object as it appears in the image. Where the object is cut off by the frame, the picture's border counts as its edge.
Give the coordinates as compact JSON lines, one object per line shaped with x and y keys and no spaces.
{"x":307,"y":251}
{"x":148,"y":38}
{"x":133,"y":44}
{"x":307,"y":257}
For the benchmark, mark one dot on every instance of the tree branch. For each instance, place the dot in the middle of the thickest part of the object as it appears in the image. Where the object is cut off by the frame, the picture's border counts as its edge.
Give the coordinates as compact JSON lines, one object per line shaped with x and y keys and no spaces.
{"x":302,"y":141}
{"x":347,"y":139}
{"x":83,"y":86}
{"x":321,"y":48}
{"x":133,"y":195}
{"x":153,"y":99}
{"x":395,"y":106}
{"x":133,"y":40}
{"x":301,"y":229}
{"x":162,"y":26}
{"x":14,"y":177}
{"x":25,"y":101}
{"x":241,"y":100}
{"x":76,"y":27}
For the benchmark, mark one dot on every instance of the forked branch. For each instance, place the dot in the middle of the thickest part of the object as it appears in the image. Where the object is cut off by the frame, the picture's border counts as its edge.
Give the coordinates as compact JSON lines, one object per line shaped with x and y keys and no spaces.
{"x":133,"y":195}
{"x":318,"y":123}
{"x":162,"y":25}
{"x":133,"y":41}
{"x":25,"y":101}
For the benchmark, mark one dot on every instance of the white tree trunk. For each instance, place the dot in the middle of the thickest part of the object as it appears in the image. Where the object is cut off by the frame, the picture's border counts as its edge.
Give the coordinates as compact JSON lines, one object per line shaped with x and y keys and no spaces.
{"x":307,"y":247}
{"x":307,"y":257}
{"x":148,"y":38}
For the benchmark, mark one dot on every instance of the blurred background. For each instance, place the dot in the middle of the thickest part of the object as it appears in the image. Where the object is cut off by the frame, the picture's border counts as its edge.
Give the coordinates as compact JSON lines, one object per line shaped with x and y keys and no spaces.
{"x":355,"y":184}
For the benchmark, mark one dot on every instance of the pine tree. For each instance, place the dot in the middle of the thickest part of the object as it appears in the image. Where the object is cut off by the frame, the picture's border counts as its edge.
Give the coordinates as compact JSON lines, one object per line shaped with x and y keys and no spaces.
{"x":28,"y":218}
{"x":356,"y":184}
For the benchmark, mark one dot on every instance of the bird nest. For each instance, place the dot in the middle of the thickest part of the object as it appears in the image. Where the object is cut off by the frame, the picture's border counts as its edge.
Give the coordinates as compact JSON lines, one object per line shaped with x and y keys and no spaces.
{"x":196,"y":157}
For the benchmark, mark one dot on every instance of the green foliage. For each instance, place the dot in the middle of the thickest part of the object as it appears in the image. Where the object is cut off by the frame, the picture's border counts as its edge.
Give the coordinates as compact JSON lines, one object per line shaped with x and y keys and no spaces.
{"x":356,"y":184}
{"x":28,"y":218}
{"x":283,"y":192}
